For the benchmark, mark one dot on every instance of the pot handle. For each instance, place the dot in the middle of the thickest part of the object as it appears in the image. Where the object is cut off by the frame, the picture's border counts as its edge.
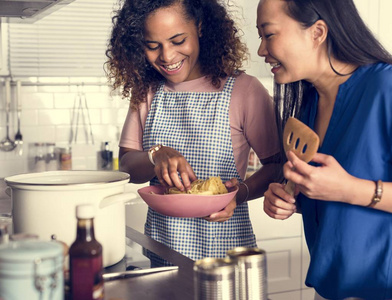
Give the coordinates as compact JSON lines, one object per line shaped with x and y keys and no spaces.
{"x":123,"y":197}
{"x":8,"y":191}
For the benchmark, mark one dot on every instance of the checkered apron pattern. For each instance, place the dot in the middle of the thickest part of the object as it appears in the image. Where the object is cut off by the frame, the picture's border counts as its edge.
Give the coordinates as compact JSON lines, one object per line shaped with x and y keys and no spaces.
{"x":197,"y":125}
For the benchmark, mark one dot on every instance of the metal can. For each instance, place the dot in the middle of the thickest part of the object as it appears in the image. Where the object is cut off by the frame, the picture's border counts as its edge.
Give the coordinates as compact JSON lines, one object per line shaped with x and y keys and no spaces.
{"x":252,"y":272}
{"x":214,"y":279}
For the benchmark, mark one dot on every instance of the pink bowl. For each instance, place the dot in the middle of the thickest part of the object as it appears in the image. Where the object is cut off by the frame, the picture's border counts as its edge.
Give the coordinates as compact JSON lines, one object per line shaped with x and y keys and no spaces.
{"x":184,"y":205}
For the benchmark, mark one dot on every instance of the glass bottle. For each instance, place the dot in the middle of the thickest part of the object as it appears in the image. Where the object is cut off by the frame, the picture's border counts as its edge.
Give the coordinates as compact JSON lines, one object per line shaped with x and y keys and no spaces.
{"x":106,"y":159}
{"x":39,"y":160}
{"x":51,"y":161}
{"x":85,"y":255}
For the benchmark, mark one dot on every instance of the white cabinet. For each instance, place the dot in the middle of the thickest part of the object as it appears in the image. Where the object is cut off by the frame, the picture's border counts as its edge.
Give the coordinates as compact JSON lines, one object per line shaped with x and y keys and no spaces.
{"x":287,"y":254}
{"x":296,"y":295}
{"x":283,"y":263}
{"x":136,"y":210}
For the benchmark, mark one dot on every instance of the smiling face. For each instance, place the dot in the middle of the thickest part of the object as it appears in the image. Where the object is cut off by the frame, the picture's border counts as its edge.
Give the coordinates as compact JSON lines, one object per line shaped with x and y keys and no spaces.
{"x":172,"y":44}
{"x":287,"y":46}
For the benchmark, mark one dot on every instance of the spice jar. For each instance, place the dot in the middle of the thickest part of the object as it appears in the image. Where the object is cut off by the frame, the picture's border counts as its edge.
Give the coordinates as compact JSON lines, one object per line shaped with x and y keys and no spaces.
{"x":31,"y":269}
{"x":51,"y":161}
{"x":65,"y":158}
{"x":39,"y":157}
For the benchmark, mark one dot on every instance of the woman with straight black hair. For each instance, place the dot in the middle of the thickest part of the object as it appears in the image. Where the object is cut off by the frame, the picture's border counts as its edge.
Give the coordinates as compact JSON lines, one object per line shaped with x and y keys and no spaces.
{"x":332,"y":74}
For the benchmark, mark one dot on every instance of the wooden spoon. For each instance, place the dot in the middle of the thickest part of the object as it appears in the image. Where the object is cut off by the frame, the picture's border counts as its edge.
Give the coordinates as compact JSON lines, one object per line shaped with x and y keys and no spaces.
{"x":302,"y":140}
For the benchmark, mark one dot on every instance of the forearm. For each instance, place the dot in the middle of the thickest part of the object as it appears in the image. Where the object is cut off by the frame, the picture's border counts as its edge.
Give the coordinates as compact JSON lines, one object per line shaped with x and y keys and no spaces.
{"x":361,"y":192}
{"x":137,"y":164}
{"x":258,"y":183}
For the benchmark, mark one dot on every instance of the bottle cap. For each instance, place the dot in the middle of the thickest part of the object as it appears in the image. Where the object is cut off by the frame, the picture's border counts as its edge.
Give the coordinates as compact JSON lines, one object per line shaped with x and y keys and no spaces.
{"x":85,"y":211}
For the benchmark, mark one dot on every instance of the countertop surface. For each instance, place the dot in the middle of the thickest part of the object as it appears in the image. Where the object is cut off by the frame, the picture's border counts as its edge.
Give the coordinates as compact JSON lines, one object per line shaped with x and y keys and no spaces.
{"x":173,"y":285}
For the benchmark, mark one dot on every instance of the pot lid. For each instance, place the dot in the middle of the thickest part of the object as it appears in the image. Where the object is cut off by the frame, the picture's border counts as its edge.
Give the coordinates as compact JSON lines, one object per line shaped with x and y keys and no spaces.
{"x":66,"y":178}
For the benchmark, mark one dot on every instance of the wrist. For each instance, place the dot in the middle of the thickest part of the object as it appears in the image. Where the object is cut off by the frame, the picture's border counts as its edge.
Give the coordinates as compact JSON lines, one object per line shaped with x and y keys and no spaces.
{"x":243,"y":193}
{"x":377,"y":193}
{"x":152,"y":151}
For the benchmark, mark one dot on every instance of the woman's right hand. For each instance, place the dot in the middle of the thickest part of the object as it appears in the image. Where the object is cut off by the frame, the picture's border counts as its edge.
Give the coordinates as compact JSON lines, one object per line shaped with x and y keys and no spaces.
{"x":278,"y":204}
{"x":169,"y":164}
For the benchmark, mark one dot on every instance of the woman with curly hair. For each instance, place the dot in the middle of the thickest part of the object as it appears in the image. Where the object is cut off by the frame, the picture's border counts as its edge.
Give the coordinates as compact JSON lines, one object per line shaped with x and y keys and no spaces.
{"x":192,"y":115}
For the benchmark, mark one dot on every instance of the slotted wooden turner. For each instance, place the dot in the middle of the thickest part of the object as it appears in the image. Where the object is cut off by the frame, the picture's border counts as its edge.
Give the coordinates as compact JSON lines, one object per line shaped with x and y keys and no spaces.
{"x":302,"y":140}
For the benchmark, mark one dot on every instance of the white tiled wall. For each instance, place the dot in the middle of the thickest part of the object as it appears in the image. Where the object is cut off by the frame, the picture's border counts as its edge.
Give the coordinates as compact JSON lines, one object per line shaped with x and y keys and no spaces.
{"x":46,"y":117}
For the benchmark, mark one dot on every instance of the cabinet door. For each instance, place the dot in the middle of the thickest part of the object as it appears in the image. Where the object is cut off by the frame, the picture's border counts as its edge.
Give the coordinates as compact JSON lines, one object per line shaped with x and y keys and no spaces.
{"x":305,"y":261}
{"x":295,"y":295}
{"x":283,"y":264}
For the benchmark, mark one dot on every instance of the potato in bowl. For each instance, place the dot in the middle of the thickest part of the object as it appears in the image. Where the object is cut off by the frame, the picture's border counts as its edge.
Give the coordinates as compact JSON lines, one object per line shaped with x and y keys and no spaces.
{"x":187,"y":205}
{"x":210,"y":186}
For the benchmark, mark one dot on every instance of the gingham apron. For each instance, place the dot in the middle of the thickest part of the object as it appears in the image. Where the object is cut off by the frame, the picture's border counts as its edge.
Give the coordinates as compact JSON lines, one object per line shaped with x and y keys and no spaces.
{"x":197,"y":125}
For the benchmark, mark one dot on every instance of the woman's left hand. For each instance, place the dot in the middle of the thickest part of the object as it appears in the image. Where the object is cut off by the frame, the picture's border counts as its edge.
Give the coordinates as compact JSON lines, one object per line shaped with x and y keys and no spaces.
{"x":329,"y":181}
{"x":226,"y":213}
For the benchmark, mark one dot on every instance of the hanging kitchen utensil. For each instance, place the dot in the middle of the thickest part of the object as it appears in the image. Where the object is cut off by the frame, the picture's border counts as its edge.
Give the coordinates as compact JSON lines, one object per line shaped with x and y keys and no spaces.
{"x":88,"y":118}
{"x":302,"y":140}
{"x":80,"y":104}
{"x":18,"y":135}
{"x":7,"y":144}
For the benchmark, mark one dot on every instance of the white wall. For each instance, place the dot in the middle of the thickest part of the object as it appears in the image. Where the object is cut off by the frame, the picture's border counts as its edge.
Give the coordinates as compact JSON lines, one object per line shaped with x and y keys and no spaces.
{"x":47,"y":110}
{"x":46,"y":117}
{"x":247,"y":22}
{"x":376,"y":13}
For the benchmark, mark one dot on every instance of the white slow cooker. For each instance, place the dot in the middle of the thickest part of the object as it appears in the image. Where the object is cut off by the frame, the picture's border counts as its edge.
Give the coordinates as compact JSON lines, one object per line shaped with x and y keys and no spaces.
{"x":44,"y":204}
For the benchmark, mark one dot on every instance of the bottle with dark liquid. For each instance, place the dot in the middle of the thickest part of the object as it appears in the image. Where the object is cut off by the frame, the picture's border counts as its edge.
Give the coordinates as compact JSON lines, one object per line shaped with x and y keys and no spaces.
{"x":85,"y":256}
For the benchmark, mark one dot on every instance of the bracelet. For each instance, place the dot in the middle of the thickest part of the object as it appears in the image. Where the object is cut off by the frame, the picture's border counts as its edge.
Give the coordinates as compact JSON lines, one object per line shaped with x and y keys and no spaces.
{"x":377,"y":194}
{"x":247,"y":191}
{"x":151,"y":151}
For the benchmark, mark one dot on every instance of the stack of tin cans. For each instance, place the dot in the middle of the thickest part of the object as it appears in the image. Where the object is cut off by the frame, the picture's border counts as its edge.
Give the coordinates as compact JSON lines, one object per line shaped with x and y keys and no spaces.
{"x":242,"y":275}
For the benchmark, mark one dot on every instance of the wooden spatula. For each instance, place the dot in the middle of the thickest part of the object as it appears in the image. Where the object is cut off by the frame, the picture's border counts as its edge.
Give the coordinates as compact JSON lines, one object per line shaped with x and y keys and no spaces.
{"x":302,"y":140}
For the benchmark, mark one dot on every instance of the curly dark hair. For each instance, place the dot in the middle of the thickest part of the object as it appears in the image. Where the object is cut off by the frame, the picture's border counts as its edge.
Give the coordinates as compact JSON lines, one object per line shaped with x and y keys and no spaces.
{"x":222,"y":52}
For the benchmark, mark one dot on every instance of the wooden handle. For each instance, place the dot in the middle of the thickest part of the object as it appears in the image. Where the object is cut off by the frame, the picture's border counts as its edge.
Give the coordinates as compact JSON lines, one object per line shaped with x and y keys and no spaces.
{"x":290,"y":188}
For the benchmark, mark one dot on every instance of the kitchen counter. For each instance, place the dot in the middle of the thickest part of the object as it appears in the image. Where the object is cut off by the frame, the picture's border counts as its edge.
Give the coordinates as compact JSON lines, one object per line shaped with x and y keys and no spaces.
{"x":173,"y":285}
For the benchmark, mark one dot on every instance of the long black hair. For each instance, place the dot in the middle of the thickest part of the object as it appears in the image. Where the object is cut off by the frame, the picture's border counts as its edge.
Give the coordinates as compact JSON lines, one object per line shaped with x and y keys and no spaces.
{"x":349,"y":40}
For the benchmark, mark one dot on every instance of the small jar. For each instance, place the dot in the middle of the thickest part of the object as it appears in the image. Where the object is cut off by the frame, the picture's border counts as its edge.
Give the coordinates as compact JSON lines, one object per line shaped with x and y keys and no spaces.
{"x":39,"y":158}
{"x":65,"y":158}
{"x":51,"y":161}
{"x":31,"y":269}
{"x":105,"y":158}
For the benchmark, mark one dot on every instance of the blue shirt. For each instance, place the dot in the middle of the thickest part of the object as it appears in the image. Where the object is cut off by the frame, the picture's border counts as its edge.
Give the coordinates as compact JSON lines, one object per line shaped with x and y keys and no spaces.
{"x":351,"y":246}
